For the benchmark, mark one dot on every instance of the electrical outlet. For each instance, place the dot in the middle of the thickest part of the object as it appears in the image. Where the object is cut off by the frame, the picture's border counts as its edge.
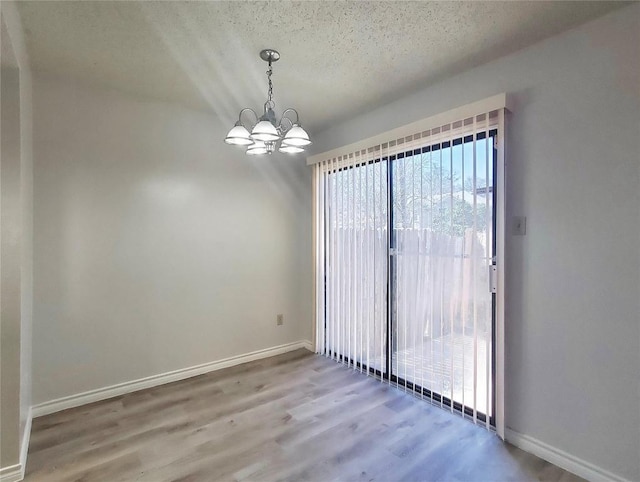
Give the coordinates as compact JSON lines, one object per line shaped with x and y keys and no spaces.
{"x":280,"y":320}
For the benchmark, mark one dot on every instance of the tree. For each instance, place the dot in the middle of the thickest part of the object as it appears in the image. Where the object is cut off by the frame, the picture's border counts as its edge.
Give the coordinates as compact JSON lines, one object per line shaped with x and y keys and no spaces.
{"x":425,"y":193}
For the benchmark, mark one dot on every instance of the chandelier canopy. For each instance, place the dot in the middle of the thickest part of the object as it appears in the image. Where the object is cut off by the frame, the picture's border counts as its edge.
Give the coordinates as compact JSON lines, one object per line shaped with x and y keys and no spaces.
{"x":266,"y":133}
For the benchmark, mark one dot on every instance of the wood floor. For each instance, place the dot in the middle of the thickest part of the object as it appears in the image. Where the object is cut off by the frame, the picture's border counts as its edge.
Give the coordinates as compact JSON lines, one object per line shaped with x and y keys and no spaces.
{"x":293,"y":417}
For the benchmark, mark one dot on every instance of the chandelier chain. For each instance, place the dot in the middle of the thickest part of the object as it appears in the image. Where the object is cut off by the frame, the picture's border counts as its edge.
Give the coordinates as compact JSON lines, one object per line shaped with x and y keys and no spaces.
{"x":269,"y":72}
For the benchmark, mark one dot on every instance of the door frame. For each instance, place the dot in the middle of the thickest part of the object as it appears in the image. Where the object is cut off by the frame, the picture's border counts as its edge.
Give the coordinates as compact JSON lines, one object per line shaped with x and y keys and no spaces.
{"x":499,"y":103}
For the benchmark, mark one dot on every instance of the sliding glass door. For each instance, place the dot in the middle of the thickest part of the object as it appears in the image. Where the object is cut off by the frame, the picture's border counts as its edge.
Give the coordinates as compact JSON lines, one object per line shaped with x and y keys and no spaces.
{"x":407,"y":252}
{"x":441,"y":252}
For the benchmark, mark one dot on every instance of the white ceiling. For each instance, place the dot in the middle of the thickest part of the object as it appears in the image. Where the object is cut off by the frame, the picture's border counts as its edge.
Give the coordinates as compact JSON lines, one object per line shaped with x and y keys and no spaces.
{"x":338,"y":58}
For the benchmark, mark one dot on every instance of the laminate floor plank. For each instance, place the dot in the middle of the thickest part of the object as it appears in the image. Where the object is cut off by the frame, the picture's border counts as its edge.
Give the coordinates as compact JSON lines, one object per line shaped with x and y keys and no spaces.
{"x":293,"y":417}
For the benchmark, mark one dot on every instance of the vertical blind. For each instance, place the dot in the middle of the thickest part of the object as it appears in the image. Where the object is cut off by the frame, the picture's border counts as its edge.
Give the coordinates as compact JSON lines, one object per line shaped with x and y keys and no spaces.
{"x":405,"y":242}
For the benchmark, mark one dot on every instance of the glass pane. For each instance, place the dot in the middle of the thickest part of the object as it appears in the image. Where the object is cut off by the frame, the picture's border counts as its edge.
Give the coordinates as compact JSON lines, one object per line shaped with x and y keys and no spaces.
{"x":441,"y":240}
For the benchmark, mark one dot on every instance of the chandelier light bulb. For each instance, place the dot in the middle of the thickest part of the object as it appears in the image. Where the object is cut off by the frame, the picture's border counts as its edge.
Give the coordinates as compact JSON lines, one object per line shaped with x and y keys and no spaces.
{"x":286,"y":148}
{"x":258,"y":147}
{"x":238,"y":136}
{"x":297,"y":136}
{"x":265,"y":131}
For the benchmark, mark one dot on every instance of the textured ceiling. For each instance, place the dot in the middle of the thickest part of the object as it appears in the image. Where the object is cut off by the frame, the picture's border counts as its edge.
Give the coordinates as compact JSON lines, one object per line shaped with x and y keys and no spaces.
{"x":338,"y":58}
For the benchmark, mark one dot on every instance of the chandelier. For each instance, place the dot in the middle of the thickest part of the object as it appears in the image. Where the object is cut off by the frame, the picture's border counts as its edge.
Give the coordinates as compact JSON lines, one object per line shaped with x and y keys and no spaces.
{"x":265,"y":134}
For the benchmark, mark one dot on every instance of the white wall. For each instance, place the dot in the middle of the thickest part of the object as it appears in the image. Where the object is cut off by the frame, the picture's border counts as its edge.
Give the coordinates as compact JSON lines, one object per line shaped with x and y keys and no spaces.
{"x":573,"y":282}
{"x":16,"y":243}
{"x":157,"y":246}
{"x":26,"y":252}
{"x":10,"y":266}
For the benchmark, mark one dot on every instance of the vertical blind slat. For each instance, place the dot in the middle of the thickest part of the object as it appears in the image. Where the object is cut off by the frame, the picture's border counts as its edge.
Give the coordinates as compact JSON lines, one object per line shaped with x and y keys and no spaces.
{"x":464,"y":284}
{"x":451,"y":303}
{"x":474,"y":263}
{"x":384,"y":155}
{"x":337,"y":273}
{"x":488,"y":244}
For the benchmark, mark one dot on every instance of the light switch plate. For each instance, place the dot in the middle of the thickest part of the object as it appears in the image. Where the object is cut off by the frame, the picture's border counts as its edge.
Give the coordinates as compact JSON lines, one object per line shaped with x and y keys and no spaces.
{"x":519,"y":225}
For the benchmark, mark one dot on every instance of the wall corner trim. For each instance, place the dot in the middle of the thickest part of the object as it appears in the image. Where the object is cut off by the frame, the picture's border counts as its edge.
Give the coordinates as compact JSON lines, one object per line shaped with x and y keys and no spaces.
{"x":561,"y":458}
{"x":15,"y":473}
{"x":96,"y":395}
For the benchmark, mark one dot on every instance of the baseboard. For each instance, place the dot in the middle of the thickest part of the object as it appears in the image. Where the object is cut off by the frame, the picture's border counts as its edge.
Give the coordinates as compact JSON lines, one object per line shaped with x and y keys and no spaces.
{"x":91,"y":396}
{"x":561,"y":458}
{"x":14,"y":473}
